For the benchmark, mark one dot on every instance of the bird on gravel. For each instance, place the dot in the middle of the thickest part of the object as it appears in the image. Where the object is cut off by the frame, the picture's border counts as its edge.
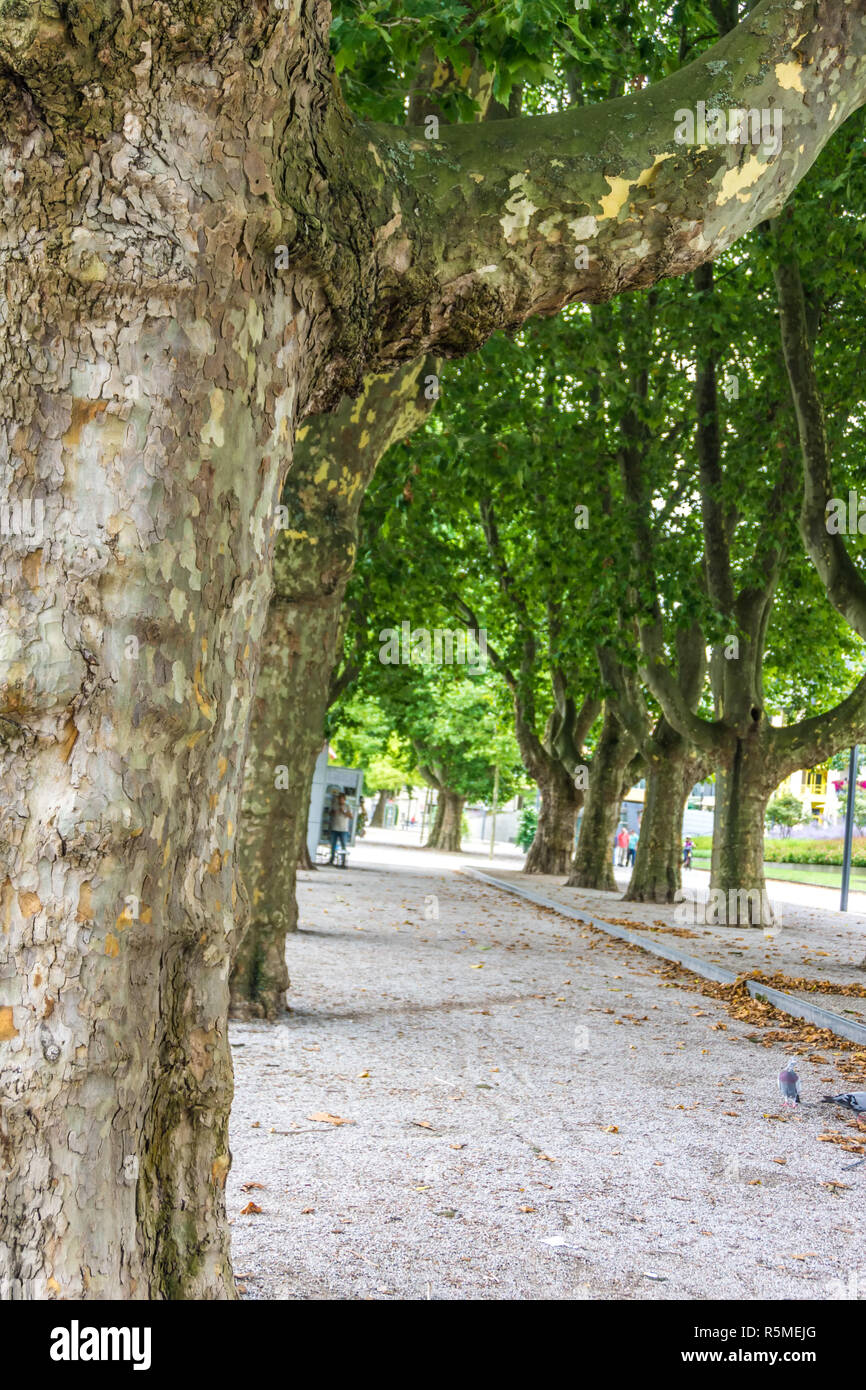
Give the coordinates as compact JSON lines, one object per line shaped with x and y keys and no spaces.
{"x":855,"y":1101}
{"x":789,"y":1083}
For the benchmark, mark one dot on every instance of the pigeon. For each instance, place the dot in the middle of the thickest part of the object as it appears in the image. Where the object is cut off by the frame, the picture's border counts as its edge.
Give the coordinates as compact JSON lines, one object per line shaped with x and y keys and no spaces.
{"x":854,"y":1101}
{"x":789,"y":1083}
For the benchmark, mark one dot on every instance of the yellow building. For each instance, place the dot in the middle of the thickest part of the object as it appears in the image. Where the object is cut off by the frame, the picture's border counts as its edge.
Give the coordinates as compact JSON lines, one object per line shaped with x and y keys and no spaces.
{"x":814,"y":789}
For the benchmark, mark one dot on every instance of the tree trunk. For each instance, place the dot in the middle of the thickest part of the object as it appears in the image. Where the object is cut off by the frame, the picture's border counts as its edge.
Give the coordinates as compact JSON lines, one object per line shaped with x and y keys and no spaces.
{"x":304,"y":860}
{"x":553,"y":844}
{"x":447,"y":832}
{"x":737,"y":886}
{"x":155,"y":359}
{"x":718,"y":823}
{"x":314,"y":558}
{"x":670,"y":775}
{"x":125,"y":713}
{"x":378,"y":820}
{"x":593,"y":861}
{"x":285,"y":741}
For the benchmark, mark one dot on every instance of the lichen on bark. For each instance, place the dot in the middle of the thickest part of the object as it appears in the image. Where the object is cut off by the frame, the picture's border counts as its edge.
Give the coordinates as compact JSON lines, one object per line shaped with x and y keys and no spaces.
{"x":154,"y":368}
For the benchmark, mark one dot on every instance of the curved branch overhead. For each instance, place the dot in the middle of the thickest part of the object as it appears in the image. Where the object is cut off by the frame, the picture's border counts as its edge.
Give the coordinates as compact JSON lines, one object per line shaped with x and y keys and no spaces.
{"x":486,"y":223}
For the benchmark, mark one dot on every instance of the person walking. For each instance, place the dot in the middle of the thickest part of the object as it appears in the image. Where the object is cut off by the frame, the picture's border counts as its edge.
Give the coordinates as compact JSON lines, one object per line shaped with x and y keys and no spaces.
{"x":632,"y":846}
{"x":622,"y":841}
{"x":341,"y":820}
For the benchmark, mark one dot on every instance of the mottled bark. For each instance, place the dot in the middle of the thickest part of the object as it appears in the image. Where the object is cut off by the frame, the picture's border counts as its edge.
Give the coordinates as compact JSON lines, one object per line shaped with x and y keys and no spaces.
{"x":553,"y":843}
{"x":842,"y":579}
{"x":593,"y":860}
{"x":671,"y":772}
{"x":149,"y":399}
{"x":447,"y":831}
{"x":378,"y":819}
{"x":504,"y":241}
{"x":748,"y":784}
{"x":284,"y":744}
{"x":335,"y":458}
{"x":155,"y":358}
{"x":752,"y":765}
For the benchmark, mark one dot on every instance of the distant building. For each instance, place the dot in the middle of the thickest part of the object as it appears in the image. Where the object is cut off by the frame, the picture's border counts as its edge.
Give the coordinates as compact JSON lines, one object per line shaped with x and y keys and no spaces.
{"x":814,"y":789}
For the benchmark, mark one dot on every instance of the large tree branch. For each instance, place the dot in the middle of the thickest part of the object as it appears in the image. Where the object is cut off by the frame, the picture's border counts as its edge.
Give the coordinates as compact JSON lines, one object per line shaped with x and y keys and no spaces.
{"x":631,"y":708}
{"x":656,"y":673}
{"x":813,"y":740}
{"x":535,"y":756}
{"x":716,"y":516}
{"x":842,"y":580}
{"x":335,"y":458}
{"x":484,"y":222}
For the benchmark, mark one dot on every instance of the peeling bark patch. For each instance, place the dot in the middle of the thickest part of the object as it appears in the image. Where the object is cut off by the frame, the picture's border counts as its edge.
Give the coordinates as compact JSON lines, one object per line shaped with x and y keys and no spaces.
{"x":790,"y":76}
{"x":84,"y":911}
{"x":7,"y":1026}
{"x":614,"y":201}
{"x":583,"y":228}
{"x":519,"y":210}
{"x":219,"y":1170}
{"x":745,"y":176}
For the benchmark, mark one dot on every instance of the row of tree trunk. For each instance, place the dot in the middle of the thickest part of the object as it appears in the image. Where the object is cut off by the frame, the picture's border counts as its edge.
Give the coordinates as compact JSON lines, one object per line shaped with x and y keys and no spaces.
{"x":671,"y":767}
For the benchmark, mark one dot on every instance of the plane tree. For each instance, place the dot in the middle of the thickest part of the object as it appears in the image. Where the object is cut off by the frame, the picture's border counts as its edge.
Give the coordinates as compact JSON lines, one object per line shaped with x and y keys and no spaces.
{"x":490,"y":537}
{"x":437,"y":64}
{"x":746,"y":483}
{"x":203,"y":245}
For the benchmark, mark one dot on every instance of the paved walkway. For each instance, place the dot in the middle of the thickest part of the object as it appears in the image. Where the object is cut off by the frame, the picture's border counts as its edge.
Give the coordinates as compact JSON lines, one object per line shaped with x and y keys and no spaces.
{"x":520,"y":1108}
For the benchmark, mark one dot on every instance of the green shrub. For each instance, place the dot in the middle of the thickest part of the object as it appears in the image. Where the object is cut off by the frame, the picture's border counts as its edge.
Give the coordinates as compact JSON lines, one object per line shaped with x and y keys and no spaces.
{"x":799,"y":851}
{"x":527,"y":827}
{"x":813,"y":852}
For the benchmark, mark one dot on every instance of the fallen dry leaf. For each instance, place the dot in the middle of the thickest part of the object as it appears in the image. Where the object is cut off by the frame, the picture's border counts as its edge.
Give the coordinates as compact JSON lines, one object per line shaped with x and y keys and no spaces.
{"x":324,"y":1118}
{"x":250,"y":1209}
{"x":248,"y":1186}
{"x":422,"y":1124}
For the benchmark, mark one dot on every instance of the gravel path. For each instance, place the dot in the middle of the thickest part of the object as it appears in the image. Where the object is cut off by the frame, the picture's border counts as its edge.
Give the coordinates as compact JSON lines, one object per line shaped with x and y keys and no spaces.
{"x":807,"y":942}
{"x":536,"y":1112}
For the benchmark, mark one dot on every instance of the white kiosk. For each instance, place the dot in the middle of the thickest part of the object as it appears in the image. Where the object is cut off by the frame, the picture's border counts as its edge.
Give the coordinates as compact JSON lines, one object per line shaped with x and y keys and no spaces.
{"x":328,"y":779}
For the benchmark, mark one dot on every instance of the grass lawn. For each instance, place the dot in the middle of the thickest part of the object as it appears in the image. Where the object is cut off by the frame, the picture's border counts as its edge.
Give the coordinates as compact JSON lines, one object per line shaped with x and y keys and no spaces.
{"x":822,"y":875}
